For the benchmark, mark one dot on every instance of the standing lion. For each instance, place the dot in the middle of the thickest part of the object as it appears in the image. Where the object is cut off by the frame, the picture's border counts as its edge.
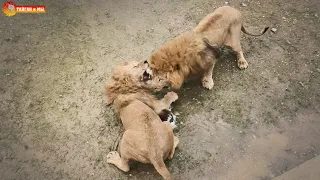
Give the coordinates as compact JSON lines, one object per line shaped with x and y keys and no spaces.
{"x":194,"y":53}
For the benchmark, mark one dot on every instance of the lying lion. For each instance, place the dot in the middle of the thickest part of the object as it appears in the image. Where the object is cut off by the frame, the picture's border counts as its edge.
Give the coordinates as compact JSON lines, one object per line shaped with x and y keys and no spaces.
{"x":146,"y":138}
{"x":194,"y":53}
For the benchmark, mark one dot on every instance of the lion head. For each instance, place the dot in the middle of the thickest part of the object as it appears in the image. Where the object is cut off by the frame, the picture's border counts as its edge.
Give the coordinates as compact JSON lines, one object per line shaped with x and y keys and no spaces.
{"x":132,"y":77}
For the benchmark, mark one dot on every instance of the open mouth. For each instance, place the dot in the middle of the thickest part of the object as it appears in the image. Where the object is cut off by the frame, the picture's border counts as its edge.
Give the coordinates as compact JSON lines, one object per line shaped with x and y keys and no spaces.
{"x":146,"y":76}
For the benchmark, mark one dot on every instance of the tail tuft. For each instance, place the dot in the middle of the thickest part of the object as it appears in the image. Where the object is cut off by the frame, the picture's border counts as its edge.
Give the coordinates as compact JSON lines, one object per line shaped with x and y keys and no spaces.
{"x":265,"y":30}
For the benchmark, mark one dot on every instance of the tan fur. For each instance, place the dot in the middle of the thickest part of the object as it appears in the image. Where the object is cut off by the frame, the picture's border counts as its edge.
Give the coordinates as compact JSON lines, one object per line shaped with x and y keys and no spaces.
{"x":188,"y":55}
{"x":146,"y":138}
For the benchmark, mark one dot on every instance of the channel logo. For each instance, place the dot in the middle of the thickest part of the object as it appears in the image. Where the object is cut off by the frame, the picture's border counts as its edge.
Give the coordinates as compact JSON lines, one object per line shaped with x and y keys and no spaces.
{"x":10,"y":9}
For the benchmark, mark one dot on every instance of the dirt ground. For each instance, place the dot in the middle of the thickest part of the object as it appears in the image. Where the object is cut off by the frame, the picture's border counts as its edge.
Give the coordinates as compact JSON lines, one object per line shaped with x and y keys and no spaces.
{"x":254,"y":125}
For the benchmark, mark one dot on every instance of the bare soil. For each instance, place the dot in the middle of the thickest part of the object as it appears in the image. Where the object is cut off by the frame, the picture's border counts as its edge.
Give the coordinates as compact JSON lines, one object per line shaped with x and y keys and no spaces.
{"x":254,"y":125}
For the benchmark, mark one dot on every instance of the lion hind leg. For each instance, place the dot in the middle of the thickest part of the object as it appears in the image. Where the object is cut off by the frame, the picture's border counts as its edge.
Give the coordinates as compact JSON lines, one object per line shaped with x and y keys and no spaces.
{"x":233,"y":40}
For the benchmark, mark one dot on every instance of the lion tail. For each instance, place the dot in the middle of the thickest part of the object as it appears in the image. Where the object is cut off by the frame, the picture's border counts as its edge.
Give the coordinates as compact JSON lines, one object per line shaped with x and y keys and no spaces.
{"x":162,"y":169}
{"x":246,"y":32}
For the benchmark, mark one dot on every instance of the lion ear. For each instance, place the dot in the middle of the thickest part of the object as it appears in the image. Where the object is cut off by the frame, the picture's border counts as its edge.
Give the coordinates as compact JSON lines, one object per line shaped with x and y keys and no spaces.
{"x":109,"y":92}
{"x":108,"y":101}
{"x":142,"y":64}
{"x":146,"y":64}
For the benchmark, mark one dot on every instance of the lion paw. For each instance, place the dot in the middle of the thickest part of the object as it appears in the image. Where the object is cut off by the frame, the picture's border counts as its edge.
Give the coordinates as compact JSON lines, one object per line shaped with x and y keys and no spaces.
{"x":112,"y":157}
{"x":207,"y":83}
{"x":172,"y":96}
{"x":242,"y":64}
